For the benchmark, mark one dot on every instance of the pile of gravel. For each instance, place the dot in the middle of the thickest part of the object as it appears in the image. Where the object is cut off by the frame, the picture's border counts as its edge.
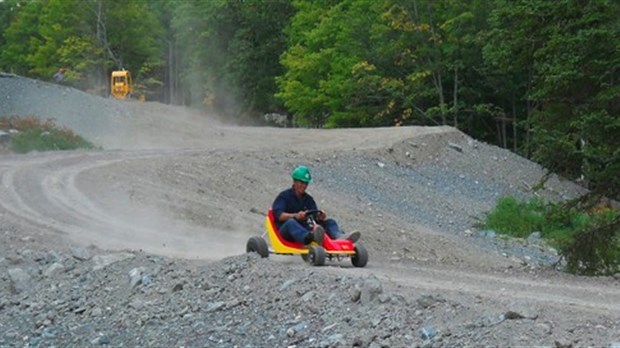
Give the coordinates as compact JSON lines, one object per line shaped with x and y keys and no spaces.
{"x":85,"y":297}
{"x":447,"y":184}
{"x":92,"y":117}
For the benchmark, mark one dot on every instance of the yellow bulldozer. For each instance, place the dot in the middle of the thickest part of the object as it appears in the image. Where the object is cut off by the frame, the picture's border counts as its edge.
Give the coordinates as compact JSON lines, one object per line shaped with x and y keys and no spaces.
{"x":121,"y":85}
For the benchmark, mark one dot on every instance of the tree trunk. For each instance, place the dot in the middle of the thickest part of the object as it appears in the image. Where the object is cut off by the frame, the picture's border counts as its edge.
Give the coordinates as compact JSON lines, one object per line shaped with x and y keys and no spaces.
{"x":455,"y":98}
{"x":514,"y":126}
{"x":102,"y":32}
{"x":442,"y":101}
{"x":171,"y":77}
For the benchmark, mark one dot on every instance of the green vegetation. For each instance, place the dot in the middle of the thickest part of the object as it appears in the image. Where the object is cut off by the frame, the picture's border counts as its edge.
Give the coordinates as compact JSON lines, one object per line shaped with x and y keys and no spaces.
{"x":37,"y":135}
{"x":518,"y":219}
{"x":590,"y":242}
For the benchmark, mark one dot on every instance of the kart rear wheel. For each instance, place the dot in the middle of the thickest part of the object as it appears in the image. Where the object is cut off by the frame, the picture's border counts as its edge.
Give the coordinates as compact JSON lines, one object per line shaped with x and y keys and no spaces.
{"x":257,"y":245}
{"x":316,"y":255}
{"x":360,"y":259}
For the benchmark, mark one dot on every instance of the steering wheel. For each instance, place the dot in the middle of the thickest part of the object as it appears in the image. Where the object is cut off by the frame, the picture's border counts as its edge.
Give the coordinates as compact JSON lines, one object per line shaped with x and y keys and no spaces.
{"x":313,"y":213}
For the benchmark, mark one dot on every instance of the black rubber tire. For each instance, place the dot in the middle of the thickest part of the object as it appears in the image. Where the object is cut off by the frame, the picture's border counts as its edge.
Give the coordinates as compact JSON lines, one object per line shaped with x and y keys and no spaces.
{"x":316,"y":255}
{"x":360,"y":259}
{"x":257,"y":245}
{"x":305,"y":257}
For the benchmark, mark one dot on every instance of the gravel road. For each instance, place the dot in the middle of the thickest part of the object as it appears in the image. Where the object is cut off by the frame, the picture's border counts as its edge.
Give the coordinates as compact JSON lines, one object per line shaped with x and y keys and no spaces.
{"x":142,"y":241}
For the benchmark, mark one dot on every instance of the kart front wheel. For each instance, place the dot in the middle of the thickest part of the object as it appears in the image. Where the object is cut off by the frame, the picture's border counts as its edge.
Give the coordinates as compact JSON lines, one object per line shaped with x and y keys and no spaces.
{"x":257,"y":245}
{"x":316,"y":255}
{"x":360,"y":259}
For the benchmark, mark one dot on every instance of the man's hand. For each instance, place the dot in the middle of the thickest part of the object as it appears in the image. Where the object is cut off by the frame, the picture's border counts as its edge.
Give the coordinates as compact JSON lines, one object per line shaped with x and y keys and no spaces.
{"x":301,"y":215}
{"x":321,"y":215}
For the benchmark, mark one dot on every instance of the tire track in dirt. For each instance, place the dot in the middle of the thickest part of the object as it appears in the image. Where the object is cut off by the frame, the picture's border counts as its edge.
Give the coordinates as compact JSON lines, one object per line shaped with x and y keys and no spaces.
{"x":41,"y":191}
{"x":596,"y":297}
{"x":558,"y":293}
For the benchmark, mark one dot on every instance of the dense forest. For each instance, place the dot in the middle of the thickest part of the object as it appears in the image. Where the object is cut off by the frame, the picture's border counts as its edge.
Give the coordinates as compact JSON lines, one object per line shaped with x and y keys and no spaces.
{"x":539,"y":77}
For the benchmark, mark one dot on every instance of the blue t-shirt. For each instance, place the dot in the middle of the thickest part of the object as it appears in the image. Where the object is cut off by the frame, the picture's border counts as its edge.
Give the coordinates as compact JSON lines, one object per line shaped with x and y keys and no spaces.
{"x":287,"y":202}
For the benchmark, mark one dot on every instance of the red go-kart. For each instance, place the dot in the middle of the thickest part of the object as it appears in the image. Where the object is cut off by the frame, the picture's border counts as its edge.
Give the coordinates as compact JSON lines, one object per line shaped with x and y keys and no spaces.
{"x":314,"y":254}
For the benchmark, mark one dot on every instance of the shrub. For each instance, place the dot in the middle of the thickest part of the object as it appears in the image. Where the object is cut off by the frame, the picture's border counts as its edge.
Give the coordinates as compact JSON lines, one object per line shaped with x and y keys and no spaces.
{"x":41,"y":135}
{"x":594,"y":247}
{"x":589,"y":240}
{"x":515,"y":218}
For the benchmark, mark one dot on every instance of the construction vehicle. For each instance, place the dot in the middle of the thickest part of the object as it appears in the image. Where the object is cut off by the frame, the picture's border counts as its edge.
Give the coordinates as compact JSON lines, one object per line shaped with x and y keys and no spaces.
{"x":121,"y":85}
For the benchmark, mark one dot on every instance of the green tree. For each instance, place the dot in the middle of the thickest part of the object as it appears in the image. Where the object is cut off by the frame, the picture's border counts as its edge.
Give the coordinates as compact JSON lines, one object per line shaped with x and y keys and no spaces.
{"x":562,"y":59}
{"x":19,"y":36}
{"x":378,"y":63}
{"x":88,"y":37}
{"x":8,"y":9}
{"x":328,"y":78}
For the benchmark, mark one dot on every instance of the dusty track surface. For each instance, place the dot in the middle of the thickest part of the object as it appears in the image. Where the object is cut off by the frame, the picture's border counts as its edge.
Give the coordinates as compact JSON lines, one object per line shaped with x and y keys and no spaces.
{"x":180,"y":184}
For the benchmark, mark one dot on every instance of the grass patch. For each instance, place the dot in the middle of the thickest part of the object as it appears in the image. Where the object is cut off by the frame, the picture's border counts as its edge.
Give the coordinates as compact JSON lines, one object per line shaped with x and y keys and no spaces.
{"x":41,"y":135}
{"x":589,"y":239}
{"x":517,"y":219}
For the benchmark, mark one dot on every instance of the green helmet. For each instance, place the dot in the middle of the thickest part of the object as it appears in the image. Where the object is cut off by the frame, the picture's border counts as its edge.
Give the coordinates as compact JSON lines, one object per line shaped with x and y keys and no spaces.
{"x":302,"y":173}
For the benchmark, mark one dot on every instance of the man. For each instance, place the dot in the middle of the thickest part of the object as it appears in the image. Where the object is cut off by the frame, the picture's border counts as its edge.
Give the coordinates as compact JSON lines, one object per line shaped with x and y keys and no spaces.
{"x":290,"y":212}
{"x":60,"y":74}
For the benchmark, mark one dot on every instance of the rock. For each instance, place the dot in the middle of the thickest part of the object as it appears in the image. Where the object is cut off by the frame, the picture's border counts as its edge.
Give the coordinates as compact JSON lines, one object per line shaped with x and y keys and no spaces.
{"x":489,"y":234}
{"x":287,"y":284}
{"x":102,"y":261}
{"x":519,"y":311}
{"x":177,"y":287}
{"x":456,"y":147}
{"x":54,"y":269}
{"x":371,"y":288}
{"x":534,"y":238}
{"x":428,"y":301}
{"x":215,"y":306}
{"x":135,"y":276}
{"x":80,"y":253}
{"x":100,"y":340}
{"x":426,"y":333}
{"x":20,"y":279}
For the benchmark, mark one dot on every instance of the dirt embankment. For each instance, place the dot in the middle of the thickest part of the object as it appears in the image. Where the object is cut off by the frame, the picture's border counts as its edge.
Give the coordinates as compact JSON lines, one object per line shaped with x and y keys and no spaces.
{"x":142,"y":242}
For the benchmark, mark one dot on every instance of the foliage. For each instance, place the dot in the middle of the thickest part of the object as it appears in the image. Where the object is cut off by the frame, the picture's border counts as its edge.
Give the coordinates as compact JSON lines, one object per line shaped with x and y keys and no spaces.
{"x":8,"y":9}
{"x":381,"y":63}
{"x":564,"y":58}
{"x":589,"y":241}
{"x":595,"y":248}
{"x":229,"y":53}
{"x":516,"y":218}
{"x":38,"y":135}
{"x":327,"y":39}
{"x":86,"y":37}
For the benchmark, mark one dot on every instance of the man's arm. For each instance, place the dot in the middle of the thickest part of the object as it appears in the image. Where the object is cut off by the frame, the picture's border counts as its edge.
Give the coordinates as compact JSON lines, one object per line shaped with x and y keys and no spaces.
{"x":285,"y":216}
{"x":280,"y":212}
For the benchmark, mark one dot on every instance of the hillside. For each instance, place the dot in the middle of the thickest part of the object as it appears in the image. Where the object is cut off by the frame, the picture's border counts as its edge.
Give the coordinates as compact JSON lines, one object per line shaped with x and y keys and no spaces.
{"x":142,"y":242}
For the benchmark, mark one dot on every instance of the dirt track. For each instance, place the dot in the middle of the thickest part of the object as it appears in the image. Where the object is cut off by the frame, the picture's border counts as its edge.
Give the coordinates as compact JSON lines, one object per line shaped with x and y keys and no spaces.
{"x":177,"y":183}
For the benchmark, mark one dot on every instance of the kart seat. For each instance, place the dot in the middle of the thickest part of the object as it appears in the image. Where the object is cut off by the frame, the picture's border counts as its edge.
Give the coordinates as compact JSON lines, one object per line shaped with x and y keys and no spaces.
{"x":279,"y":244}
